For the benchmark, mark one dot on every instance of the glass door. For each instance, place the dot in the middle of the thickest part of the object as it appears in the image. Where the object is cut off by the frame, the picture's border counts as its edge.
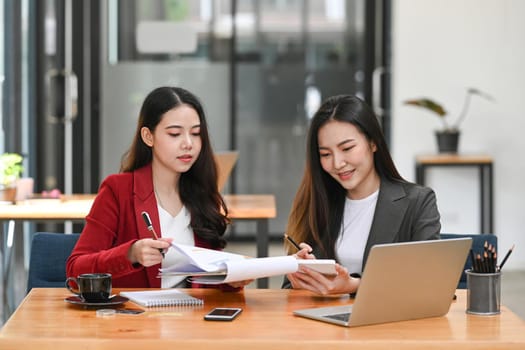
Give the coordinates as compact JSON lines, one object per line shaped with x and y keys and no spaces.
{"x":261,"y":69}
{"x":289,"y":56}
{"x":161,"y":42}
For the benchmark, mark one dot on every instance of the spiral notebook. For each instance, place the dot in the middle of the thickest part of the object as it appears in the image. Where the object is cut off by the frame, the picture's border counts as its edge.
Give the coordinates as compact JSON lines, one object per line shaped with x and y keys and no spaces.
{"x":164,"y":297}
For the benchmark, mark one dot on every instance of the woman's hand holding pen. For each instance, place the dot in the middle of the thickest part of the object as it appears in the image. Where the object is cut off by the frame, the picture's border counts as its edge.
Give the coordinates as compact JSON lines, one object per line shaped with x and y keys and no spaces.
{"x":318,"y":283}
{"x":305,"y":252}
{"x":147,"y":251}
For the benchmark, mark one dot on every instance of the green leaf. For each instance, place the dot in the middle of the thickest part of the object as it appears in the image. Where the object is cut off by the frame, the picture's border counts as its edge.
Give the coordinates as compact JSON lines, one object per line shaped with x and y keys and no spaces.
{"x":428,"y":104}
{"x":10,"y":168}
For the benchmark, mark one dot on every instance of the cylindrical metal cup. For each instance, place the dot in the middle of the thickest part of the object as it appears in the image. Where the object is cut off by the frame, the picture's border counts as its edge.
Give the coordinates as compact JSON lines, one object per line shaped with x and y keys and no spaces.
{"x":483,"y":293}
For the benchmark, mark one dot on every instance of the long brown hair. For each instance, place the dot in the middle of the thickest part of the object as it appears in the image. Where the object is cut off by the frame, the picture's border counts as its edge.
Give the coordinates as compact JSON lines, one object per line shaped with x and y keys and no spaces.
{"x":317,"y":210}
{"x":198,"y":186}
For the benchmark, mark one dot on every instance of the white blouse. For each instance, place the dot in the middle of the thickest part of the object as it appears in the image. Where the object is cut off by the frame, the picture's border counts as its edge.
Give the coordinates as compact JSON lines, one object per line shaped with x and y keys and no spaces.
{"x":176,"y":227}
{"x":355,"y":229}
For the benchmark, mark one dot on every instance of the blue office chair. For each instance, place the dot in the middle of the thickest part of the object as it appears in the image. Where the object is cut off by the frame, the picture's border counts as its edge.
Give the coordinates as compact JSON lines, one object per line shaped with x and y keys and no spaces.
{"x":47,"y":262}
{"x":478,"y":242}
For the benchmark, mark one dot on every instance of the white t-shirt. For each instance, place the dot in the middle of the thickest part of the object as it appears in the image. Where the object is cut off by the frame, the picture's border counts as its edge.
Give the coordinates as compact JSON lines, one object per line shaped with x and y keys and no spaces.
{"x":176,"y":227}
{"x":357,"y":221}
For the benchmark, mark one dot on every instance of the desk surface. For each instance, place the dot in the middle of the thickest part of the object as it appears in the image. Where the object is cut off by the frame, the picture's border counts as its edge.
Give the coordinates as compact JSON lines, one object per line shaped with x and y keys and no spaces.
{"x":76,"y":207}
{"x":436,"y":159}
{"x":45,"y":321}
{"x":258,"y":207}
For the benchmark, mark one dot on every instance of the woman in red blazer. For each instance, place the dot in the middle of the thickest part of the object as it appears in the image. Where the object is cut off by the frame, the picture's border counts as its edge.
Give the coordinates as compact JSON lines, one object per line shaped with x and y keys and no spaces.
{"x":170,"y":173}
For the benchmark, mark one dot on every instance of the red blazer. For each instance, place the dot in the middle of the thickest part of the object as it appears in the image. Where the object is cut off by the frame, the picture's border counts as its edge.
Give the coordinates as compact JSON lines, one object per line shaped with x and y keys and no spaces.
{"x":113,"y":224}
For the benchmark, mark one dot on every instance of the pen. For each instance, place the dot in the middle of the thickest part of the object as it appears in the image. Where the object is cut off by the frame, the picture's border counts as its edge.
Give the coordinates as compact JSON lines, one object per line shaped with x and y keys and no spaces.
{"x":505,"y":258}
{"x":149,"y":224}
{"x":294,"y":243}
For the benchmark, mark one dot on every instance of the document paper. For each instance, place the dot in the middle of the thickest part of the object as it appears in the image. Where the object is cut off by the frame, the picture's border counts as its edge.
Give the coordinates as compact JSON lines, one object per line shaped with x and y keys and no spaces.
{"x":210,"y":266}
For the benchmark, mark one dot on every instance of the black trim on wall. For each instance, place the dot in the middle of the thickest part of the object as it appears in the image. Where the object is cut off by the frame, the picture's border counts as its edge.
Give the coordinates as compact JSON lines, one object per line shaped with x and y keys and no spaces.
{"x":369,"y":49}
{"x":233,"y":89}
{"x":95,"y":64}
{"x":86,"y":65}
{"x":378,"y":54}
{"x":387,"y":63}
{"x":12,"y":89}
{"x":127,"y":17}
{"x":37,"y":104}
{"x":79,"y":18}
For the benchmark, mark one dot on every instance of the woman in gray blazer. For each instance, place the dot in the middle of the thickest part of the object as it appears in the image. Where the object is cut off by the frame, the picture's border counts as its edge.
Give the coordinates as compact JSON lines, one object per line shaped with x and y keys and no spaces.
{"x":352,"y":197}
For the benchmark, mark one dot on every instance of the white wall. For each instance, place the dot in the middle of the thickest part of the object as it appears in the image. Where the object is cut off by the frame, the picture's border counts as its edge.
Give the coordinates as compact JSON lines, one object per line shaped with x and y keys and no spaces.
{"x":439,"y":49}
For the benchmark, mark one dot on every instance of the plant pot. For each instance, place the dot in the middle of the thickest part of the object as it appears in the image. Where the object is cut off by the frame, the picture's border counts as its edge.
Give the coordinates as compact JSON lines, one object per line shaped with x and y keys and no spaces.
{"x":447,"y":141}
{"x":8,"y":194}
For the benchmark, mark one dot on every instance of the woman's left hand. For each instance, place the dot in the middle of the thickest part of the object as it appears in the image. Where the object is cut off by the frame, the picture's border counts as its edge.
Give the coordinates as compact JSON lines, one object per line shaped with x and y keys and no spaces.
{"x":240,"y":284}
{"x":318,"y":283}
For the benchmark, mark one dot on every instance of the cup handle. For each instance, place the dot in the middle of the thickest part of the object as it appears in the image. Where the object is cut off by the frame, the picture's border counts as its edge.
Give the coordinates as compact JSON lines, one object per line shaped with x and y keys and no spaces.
{"x":74,"y":291}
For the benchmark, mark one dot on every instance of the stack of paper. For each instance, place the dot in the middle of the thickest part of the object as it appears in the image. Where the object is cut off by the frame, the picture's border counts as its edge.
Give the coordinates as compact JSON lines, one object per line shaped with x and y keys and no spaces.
{"x":213,"y":266}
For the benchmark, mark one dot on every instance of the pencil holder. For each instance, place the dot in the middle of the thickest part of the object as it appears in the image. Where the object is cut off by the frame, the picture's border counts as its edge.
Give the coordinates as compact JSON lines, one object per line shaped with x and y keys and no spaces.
{"x":483,"y":293}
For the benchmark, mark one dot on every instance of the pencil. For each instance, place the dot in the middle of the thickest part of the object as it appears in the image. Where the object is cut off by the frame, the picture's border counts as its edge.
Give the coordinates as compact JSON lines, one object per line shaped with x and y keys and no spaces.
{"x":149,"y":224}
{"x":479,"y":263}
{"x":492,"y":255}
{"x":474,"y":267}
{"x":294,"y":243}
{"x":486,"y":262}
{"x":505,"y":258}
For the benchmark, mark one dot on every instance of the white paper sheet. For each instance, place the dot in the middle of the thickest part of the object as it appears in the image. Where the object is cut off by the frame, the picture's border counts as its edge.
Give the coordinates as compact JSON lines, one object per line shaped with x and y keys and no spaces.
{"x":209,"y":266}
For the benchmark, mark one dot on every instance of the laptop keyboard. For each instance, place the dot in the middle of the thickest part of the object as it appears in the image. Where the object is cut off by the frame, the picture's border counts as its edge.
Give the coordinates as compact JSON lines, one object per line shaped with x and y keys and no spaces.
{"x":340,"y":317}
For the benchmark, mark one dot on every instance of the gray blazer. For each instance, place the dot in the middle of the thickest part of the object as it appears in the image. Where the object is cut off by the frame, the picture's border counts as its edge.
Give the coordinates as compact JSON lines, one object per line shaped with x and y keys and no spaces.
{"x":404,"y":212}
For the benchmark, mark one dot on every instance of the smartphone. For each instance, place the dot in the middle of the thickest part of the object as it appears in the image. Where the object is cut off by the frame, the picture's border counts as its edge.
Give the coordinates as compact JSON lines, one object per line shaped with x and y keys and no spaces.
{"x":223,"y":314}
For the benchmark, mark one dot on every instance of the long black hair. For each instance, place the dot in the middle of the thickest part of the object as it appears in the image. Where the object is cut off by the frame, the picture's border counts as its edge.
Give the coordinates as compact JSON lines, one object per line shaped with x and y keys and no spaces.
{"x":198,"y":186}
{"x":317,"y":212}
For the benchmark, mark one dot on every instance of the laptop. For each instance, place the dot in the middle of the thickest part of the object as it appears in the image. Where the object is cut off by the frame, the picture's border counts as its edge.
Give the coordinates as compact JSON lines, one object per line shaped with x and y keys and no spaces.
{"x":225,"y":162}
{"x":402,"y":281}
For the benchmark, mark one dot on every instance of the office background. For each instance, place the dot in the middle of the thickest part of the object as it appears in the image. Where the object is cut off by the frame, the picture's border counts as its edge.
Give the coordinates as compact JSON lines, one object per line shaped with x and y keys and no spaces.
{"x":439,"y":49}
{"x":427,"y":48}
{"x":253,"y":74}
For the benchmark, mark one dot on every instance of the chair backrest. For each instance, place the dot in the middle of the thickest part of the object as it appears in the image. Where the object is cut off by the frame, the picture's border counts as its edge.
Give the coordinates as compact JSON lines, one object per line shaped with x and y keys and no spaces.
{"x":226,"y":160}
{"x":478,"y":242}
{"x":47,"y":262}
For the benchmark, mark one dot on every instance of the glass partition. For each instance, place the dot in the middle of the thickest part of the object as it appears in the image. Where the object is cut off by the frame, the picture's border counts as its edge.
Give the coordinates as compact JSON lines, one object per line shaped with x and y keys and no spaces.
{"x":290,"y":56}
{"x":128,"y":75}
{"x":260,"y":67}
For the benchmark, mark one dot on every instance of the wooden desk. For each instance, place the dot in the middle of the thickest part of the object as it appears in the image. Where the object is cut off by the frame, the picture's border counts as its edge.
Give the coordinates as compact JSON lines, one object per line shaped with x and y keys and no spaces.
{"x":76,"y":207}
{"x":45,"y":321}
{"x":482,"y":162}
{"x":260,"y":208}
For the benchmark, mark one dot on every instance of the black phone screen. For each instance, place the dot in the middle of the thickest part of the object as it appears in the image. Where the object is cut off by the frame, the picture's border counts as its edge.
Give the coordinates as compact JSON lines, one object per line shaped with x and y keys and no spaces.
{"x":223,"y":314}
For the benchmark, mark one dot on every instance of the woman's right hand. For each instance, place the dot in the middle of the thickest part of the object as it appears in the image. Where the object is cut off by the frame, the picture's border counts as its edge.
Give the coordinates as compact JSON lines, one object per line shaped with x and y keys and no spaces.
{"x":147,"y":251}
{"x":305,"y":252}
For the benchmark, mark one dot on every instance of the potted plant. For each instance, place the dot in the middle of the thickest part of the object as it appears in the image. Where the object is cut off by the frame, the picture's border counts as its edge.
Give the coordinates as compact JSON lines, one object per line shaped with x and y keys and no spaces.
{"x":10,"y":171}
{"x":448,"y":135}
